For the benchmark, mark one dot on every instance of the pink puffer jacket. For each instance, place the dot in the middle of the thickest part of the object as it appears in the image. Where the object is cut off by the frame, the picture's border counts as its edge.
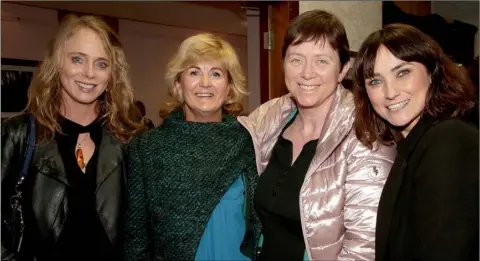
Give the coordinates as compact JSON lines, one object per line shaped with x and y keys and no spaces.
{"x":342,"y":187}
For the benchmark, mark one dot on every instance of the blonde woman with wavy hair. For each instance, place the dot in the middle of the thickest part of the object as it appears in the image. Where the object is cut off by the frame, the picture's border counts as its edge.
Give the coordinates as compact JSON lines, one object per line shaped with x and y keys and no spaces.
{"x":72,"y":196}
{"x":190,"y":181}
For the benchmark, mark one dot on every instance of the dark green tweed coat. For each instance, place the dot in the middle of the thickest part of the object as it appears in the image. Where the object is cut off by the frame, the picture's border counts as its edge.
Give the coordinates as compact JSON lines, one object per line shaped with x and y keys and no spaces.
{"x":176,"y":175}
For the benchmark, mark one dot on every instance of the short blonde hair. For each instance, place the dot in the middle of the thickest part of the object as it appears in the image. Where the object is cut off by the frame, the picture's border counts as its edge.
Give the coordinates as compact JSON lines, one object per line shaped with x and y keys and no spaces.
{"x":206,"y":47}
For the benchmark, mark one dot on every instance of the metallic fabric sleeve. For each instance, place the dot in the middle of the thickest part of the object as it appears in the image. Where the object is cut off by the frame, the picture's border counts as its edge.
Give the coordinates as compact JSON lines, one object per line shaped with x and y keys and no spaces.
{"x":366,"y":175}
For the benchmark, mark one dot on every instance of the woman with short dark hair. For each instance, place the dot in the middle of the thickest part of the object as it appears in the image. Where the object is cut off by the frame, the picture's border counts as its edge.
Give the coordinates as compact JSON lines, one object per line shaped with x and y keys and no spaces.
{"x":319,"y":186}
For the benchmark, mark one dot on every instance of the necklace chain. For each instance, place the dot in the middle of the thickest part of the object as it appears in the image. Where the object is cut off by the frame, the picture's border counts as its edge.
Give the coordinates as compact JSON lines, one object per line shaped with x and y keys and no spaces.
{"x":79,"y":144}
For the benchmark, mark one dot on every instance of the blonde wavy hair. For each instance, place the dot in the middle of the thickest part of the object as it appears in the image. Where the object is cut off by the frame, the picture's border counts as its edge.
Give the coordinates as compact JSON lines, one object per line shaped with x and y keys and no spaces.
{"x":200,"y":48}
{"x":116,"y":106}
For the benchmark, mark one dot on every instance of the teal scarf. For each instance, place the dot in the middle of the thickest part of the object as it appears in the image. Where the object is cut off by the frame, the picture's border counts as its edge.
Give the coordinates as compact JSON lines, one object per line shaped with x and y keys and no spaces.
{"x":194,"y":164}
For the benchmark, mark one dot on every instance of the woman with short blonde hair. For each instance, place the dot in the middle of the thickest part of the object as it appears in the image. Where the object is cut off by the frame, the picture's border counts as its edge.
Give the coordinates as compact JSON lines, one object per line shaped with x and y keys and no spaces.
{"x":190,"y":181}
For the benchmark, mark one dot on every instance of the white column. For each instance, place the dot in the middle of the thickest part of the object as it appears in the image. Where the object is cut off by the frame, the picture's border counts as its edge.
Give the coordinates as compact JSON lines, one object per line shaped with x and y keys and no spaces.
{"x":360,"y":18}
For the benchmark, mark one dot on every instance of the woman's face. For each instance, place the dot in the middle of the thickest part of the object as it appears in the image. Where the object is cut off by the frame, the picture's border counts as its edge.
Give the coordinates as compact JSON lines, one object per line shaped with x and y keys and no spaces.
{"x":312,"y":72}
{"x":86,"y":70}
{"x":204,"y":87}
{"x":398,"y":90}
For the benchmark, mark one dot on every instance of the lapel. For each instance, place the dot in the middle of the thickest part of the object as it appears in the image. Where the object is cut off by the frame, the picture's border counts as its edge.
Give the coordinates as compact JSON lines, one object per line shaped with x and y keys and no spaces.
{"x":109,"y":156}
{"x":337,"y":125}
{"x":396,"y":179}
{"x":50,"y":162}
{"x":51,"y":165}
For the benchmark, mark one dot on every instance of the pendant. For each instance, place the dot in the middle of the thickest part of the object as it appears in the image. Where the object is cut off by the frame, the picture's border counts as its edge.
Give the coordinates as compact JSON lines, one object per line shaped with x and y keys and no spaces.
{"x":79,"y":155}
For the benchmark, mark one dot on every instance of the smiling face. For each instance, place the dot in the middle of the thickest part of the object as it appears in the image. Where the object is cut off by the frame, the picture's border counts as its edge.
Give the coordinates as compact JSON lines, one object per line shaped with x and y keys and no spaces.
{"x":204,"y":88}
{"x":86,"y":71}
{"x":398,"y":90}
{"x":312,"y":72}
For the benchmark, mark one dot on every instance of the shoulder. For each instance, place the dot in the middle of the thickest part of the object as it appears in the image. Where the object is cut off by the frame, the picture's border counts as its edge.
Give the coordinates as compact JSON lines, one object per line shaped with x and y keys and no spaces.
{"x":453,"y":134}
{"x":15,"y":128}
{"x":271,"y":108}
{"x":447,"y":145}
{"x":15,"y":123}
{"x":144,"y":140}
{"x":268,"y":117}
{"x":355,"y":149}
{"x":449,"y":151}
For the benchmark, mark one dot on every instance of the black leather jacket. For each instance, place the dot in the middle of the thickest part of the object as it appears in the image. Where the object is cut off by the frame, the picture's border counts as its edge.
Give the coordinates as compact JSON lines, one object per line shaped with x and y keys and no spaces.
{"x":47,"y":172}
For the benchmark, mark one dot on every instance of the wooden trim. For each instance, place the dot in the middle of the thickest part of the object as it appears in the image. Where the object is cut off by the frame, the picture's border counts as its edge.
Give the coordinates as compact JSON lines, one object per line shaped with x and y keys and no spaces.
{"x":264,"y":55}
{"x":282,"y":14}
{"x":420,"y":8}
{"x":274,"y":17}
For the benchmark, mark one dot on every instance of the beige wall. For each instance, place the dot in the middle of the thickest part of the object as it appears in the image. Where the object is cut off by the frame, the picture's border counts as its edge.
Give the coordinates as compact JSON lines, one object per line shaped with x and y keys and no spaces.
{"x":149,"y":47}
{"x":175,"y":13}
{"x":26,"y":31}
{"x":360,"y":18}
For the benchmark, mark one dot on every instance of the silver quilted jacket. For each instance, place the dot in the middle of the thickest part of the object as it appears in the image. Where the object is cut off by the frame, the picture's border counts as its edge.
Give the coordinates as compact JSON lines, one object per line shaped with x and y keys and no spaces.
{"x":342,"y":187}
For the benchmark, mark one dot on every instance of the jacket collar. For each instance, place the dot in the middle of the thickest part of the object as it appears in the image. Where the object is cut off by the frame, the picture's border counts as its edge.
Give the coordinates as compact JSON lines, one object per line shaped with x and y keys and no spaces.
{"x":50,"y":163}
{"x":337,"y":126}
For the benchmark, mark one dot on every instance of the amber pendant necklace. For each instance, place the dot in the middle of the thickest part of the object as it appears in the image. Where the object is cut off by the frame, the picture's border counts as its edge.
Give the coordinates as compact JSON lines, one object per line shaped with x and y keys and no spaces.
{"x":79,"y":154}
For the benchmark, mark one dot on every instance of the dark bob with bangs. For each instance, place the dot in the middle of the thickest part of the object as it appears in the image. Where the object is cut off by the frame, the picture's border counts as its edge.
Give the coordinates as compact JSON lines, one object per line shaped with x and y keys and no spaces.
{"x":318,"y":25}
{"x":450,"y":94}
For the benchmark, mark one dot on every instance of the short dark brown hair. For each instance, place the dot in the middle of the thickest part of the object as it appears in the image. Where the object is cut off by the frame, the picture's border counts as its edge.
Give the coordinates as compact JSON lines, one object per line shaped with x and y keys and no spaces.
{"x":450,"y":93}
{"x":318,"y":25}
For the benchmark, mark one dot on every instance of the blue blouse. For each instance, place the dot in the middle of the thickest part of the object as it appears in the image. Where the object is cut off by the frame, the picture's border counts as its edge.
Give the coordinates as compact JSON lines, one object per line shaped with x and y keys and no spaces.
{"x":226,"y":228}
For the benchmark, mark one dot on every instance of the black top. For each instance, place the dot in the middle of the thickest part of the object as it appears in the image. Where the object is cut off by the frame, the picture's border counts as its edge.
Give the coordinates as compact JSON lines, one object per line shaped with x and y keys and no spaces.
{"x":277,"y":201}
{"x":83,"y":236}
{"x":429,"y":205}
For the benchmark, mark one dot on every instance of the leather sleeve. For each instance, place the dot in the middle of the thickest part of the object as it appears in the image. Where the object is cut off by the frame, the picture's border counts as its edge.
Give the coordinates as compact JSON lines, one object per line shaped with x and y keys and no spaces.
{"x":14,"y":133}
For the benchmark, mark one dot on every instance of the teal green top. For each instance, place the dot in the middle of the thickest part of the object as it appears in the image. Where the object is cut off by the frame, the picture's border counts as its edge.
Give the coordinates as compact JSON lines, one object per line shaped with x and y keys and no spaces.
{"x":226,"y":228}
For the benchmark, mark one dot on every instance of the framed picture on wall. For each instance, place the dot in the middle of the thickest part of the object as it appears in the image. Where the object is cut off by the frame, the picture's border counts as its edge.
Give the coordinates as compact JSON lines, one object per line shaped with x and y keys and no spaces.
{"x":16,"y":77}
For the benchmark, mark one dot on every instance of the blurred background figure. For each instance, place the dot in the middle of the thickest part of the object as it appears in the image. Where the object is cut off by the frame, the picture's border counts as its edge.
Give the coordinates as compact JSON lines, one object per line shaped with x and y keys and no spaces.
{"x":143,"y":112}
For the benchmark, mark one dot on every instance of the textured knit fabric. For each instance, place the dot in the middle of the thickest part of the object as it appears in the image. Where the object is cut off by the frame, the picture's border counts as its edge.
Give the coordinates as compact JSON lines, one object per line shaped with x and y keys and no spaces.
{"x":177,"y":174}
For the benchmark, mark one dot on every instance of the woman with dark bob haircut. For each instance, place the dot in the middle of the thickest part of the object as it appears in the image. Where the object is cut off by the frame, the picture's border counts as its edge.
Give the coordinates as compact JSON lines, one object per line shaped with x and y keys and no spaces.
{"x":319,"y":186}
{"x":409,"y":93}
